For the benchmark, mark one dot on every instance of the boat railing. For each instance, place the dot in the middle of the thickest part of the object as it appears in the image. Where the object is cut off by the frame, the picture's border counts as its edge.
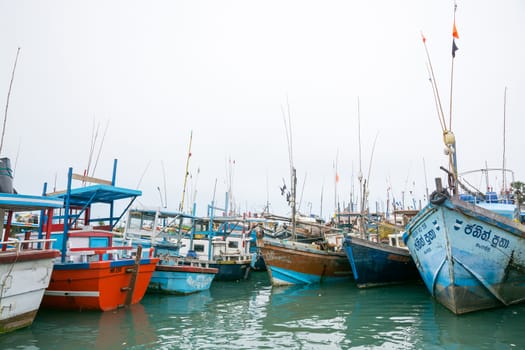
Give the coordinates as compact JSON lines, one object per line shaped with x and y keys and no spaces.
{"x":185,"y":261}
{"x":234,"y":257}
{"x":90,"y":254}
{"x":18,"y":245}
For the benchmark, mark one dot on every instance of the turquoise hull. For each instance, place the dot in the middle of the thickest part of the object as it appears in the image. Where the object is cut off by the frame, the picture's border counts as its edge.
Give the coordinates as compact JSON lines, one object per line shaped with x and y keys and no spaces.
{"x":469,"y":257}
{"x":180,"y":282}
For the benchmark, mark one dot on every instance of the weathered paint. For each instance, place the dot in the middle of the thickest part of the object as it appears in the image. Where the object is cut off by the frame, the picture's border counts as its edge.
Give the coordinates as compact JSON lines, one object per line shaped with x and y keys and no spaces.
{"x":290,"y":262}
{"x":377,"y":264}
{"x":98,"y":285}
{"x":23,"y":286}
{"x":469,"y":258}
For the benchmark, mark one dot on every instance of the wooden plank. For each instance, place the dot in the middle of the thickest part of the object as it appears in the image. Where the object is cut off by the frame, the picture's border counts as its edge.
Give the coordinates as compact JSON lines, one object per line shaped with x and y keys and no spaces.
{"x":90,"y":179}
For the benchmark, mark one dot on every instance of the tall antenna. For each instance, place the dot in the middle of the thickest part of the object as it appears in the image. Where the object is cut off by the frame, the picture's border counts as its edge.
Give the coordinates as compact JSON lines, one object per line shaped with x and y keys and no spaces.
{"x":164,"y":181}
{"x":143,"y":173}
{"x":94,"y":136}
{"x":321,"y":209}
{"x":504,"y":132}
{"x":455,"y":35}
{"x":336,"y":182}
{"x":293,"y":173}
{"x":360,"y":174}
{"x":100,"y":148}
{"x":426,"y":183}
{"x":7,"y":102}
{"x":181,"y":208}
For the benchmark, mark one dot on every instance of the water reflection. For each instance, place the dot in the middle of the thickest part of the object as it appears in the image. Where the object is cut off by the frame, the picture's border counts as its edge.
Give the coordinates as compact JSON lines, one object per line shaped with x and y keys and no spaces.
{"x":119,"y":329}
{"x":253,"y":314}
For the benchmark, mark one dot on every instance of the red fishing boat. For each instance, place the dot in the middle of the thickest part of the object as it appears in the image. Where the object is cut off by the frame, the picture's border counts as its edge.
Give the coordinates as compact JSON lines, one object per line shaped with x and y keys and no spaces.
{"x":93,"y":273}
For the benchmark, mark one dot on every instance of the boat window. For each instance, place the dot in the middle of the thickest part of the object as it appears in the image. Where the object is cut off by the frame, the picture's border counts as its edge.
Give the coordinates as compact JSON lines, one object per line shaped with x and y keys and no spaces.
{"x":198,"y":248}
{"x":233,"y":244}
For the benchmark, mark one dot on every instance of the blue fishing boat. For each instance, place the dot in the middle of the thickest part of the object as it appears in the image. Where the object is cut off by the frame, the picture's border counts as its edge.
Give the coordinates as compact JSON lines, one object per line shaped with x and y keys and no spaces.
{"x":163,"y":231}
{"x":377,"y":253}
{"x":375,"y":263}
{"x":212,"y":239}
{"x":217,"y":240}
{"x":470,"y":249}
{"x":469,"y":256}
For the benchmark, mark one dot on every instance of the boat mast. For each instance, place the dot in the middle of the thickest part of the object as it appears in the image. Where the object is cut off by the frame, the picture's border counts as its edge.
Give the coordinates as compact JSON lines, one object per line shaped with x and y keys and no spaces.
{"x":288,"y":129}
{"x":360,"y":175}
{"x":181,"y":208}
{"x":504,"y":132}
{"x":7,"y":102}
{"x":448,"y":136}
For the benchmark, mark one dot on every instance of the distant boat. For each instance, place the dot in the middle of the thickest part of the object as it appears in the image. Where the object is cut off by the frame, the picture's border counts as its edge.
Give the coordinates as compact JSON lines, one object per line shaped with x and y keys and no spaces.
{"x":94,"y":273}
{"x":25,"y":262}
{"x":376,"y":263}
{"x":379,"y":257}
{"x":212,"y":239}
{"x":162,"y":230}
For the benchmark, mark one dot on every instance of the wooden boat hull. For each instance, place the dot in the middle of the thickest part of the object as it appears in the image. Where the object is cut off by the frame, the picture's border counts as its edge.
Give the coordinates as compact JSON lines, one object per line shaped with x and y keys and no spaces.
{"x":24,"y":276}
{"x":290,"y":263}
{"x":181,"y":279}
{"x":99,"y":285}
{"x":377,"y":264}
{"x":469,"y":257}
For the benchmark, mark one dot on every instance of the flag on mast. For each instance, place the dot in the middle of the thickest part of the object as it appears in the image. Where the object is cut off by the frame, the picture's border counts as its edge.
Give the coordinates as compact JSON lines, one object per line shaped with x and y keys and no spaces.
{"x":455,"y":36}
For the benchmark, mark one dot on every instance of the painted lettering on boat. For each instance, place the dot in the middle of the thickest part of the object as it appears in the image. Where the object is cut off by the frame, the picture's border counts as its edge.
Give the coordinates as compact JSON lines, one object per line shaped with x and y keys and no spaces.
{"x":116,"y":269}
{"x":271,"y":256}
{"x":424,"y":240}
{"x":479,"y":232}
{"x":483,"y":247}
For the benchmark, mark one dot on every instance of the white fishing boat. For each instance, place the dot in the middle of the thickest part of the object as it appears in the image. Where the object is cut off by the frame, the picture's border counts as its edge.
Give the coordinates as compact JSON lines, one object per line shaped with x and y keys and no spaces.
{"x":26,"y":261}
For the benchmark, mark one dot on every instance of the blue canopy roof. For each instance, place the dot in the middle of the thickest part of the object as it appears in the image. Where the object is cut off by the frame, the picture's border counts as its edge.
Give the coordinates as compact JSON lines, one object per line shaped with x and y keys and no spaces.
{"x":83,"y":196}
{"x":21,"y":202}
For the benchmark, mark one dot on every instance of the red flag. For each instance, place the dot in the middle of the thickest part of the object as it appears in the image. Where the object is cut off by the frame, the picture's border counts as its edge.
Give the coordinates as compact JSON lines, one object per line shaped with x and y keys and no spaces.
{"x":423,"y":37}
{"x":336,"y":177}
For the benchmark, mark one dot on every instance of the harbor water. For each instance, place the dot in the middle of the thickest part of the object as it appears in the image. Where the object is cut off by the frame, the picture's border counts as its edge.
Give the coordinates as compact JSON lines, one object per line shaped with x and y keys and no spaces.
{"x":254,"y":315}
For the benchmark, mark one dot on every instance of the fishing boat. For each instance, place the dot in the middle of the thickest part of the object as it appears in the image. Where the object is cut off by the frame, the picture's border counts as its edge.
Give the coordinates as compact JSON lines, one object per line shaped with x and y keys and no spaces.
{"x":375,"y":263}
{"x":293,"y":259}
{"x":470,"y":253}
{"x":213,"y":240}
{"x":379,"y":257}
{"x":162,"y":230}
{"x":26,"y":261}
{"x":93,"y":273}
{"x":290,"y":261}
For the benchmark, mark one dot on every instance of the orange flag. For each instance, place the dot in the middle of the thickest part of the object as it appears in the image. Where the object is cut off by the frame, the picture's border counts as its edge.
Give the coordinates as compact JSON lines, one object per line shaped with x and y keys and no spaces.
{"x":455,"y":31}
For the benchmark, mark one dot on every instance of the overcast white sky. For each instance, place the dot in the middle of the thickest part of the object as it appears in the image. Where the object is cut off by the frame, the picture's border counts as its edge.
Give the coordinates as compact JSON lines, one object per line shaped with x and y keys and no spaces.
{"x":156,"y":70}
